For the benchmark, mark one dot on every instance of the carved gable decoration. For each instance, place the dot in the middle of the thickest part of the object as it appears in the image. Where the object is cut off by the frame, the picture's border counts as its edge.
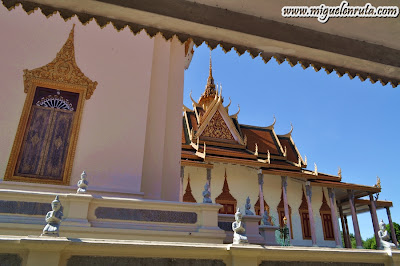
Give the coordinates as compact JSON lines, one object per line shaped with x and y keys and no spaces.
{"x":62,"y":70}
{"x":217,"y":128}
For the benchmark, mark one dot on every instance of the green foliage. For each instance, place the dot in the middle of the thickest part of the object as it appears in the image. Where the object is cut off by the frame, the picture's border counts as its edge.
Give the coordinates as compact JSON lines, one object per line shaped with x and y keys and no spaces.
{"x":352,"y":240}
{"x":396,"y":230}
{"x":370,"y":243}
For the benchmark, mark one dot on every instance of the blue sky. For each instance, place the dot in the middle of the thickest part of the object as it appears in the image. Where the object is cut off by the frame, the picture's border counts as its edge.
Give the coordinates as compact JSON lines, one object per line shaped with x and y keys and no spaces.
{"x":337,"y":122}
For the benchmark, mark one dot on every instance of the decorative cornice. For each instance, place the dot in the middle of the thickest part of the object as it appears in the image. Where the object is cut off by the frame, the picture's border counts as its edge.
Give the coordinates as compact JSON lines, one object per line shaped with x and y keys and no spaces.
{"x":362,"y":50}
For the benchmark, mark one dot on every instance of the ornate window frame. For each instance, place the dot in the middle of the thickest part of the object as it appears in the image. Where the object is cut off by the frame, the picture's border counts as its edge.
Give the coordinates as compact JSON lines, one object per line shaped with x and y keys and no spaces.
{"x":61,"y":74}
{"x":305,"y":222}
{"x":326,"y":210}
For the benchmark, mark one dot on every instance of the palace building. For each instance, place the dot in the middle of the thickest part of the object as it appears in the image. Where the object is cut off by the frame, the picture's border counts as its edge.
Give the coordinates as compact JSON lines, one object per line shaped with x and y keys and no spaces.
{"x":240,"y":161}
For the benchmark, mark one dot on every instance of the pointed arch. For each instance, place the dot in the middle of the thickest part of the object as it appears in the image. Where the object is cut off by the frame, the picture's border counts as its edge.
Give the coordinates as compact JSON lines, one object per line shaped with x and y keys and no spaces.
{"x":188,"y":196}
{"x":304,"y":217}
{"x":326,"y":219}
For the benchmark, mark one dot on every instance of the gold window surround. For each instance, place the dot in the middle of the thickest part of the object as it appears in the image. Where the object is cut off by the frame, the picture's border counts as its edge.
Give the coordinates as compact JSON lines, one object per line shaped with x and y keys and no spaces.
{"x":61,"y":74}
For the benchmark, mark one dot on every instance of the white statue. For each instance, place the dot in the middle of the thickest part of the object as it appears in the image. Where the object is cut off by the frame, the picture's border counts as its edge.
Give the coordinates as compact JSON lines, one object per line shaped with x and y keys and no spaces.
{"x":206,"y":194}
{"x":248,"y":206}
{"x":384,"y":237}
{"x":82,"y":184}
{"x":53,"y":219}
{"x":239,"y":232}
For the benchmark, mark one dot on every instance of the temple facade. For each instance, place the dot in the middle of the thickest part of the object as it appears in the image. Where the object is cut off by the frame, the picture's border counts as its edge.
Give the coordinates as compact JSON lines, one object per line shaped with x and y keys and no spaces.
{"x":98,"y":167}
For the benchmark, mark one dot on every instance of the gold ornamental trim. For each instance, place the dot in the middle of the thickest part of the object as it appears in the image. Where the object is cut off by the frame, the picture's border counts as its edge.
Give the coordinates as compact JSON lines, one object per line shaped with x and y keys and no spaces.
{"x":62,"y":70}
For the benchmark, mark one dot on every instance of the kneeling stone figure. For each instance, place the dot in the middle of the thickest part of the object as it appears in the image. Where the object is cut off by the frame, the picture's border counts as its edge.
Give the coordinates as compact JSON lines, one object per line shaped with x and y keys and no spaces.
{"x":53,"y":219}
{"x":239,"y":232}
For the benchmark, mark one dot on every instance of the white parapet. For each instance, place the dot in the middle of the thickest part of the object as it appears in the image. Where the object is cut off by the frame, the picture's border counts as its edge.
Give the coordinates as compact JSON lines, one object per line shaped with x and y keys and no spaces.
{"x":85,"y":216}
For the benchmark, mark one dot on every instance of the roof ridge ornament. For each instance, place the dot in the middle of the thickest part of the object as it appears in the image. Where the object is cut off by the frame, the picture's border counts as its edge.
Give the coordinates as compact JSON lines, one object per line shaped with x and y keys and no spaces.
{"x":229,"y":104}
{"x":272,"y":125}
{"x":236,"y":114}
{"x":289,"y":134}
{"x":339,"y":172}
{"x":194,"y":103}
{"x":315,"y":169}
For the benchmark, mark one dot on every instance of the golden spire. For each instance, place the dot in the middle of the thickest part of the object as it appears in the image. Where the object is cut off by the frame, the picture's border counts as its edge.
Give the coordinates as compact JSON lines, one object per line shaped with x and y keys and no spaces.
{"x":210,"y":87}
{"x":209,"y":93}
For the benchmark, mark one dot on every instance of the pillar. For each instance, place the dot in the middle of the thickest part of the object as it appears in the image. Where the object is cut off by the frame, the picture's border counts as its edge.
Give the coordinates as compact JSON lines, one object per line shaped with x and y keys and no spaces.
{"x":336,"y":233}
{"x":162,"y":148}
{"x":354,"y":218}
{"x":372,"y":209}
{"x":344,"y":227}
{"x":347,"y":232}
{"x":310,"y":214}
{"x":261,"y":191}
{"x":181,"y":183}
{"x":209,"y":179}
{"x":152,"y":171}
{"x":173,"y":129}
{"x":285,"y":203}
{"x":394,"y":238}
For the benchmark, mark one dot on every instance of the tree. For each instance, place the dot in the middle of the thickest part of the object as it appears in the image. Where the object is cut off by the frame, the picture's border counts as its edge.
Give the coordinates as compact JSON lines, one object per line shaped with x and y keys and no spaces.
{"x":352,"y":240}
{"x":370,"y":243}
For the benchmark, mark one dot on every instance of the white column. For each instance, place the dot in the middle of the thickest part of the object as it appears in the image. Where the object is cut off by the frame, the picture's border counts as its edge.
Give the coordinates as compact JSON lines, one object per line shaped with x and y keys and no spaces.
{"x":173,"y":130}
{"x":152,"y":171}
{"x":162,"y":150}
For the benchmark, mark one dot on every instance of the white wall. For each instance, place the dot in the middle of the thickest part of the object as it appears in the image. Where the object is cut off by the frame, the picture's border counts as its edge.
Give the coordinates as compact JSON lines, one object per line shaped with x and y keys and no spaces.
{"x":243,"y":182}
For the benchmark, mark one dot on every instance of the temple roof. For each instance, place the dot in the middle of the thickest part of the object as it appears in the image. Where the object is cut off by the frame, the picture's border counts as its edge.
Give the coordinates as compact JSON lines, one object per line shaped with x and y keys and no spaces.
{"x":211,"y":135}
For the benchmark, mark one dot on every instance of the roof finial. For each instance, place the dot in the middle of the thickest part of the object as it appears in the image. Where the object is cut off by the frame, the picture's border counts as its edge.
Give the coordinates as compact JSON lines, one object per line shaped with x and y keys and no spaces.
{"x":210,"y":75}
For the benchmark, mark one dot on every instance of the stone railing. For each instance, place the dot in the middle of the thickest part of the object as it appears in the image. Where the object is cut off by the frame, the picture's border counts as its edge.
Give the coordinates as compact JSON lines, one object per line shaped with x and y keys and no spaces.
{"x":87,"y":216}
{"x":250,"y":223}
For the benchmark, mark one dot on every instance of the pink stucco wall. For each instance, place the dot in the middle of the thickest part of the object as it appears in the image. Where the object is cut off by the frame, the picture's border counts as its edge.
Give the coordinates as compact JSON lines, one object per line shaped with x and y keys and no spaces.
{"x":112,"y":134}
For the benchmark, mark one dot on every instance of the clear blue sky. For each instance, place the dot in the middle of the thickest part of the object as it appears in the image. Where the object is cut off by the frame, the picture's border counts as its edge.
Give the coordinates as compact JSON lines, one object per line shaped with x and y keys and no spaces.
{"x":337,"y":122}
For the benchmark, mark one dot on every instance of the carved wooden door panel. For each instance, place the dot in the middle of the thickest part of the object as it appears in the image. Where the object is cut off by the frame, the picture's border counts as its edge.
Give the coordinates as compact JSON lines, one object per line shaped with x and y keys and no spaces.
{"x":31,"y":154}
{"x":44,"y":149}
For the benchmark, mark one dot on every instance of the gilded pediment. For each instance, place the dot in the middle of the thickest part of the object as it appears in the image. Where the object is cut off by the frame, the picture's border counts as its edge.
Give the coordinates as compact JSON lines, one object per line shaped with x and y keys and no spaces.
{"x":62,"y":70}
